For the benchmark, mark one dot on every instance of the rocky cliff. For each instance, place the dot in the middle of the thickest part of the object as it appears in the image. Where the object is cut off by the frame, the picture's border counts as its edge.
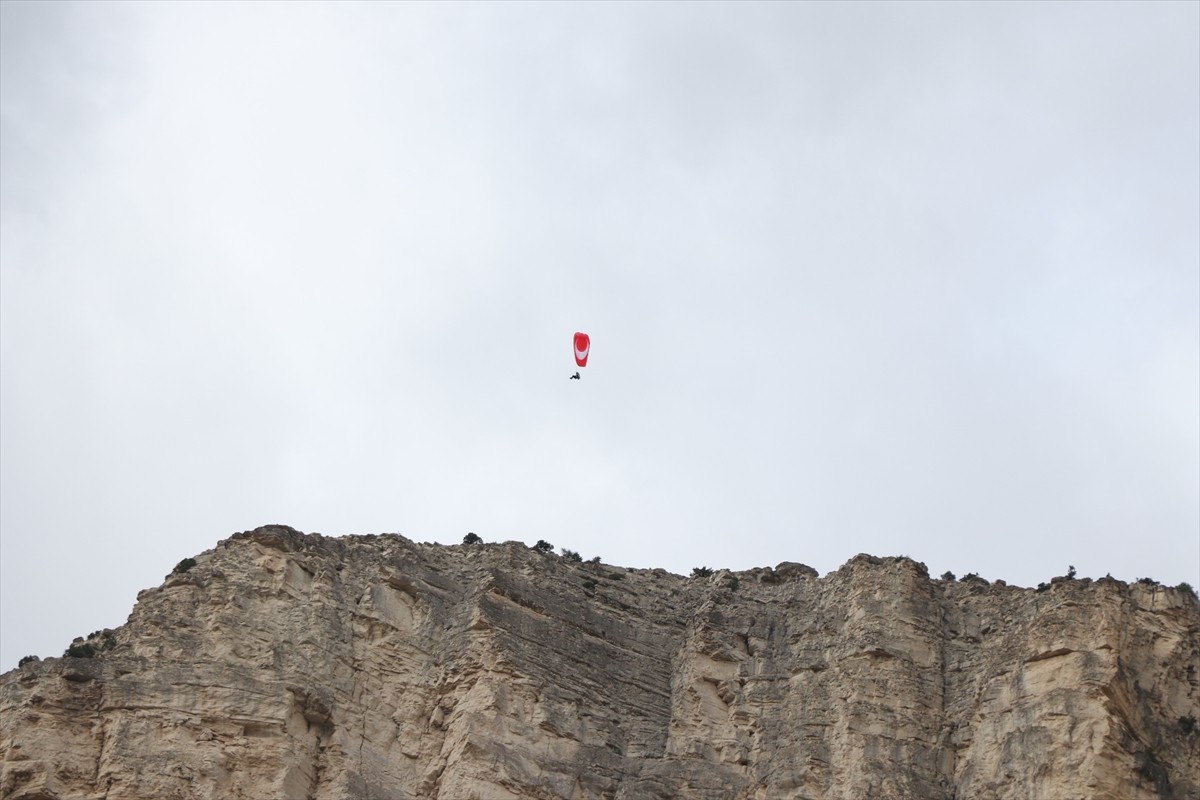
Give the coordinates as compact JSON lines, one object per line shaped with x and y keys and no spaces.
{"x":286,"y":665}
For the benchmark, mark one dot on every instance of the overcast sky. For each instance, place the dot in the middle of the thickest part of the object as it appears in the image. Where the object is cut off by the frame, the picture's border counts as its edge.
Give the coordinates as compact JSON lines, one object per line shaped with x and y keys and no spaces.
{"x":892,"y":278}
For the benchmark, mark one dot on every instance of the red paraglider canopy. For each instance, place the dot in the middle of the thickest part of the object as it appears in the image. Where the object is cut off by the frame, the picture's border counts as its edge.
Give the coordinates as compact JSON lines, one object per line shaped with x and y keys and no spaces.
{"x":582,"y":345}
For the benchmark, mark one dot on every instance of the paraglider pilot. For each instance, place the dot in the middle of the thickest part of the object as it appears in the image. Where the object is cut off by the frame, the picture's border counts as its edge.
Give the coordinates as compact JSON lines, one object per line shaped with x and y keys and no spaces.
{"x":575,"y":377}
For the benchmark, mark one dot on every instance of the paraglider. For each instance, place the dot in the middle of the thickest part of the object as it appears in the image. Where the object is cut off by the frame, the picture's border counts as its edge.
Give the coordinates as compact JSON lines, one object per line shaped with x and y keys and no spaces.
{"x":583,"y":345}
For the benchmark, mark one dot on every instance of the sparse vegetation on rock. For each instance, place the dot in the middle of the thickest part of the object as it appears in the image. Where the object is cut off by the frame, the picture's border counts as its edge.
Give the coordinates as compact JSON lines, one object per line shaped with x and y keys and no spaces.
{"x":472,"y":538}
{"x":184,"y":566}
{"x":97,"y":642}
{"x":571,"y":555}
{"x":81,"y":650}
{"x":543,"y":546}
{"x":701,"y":572}
{"x":27,"y":660}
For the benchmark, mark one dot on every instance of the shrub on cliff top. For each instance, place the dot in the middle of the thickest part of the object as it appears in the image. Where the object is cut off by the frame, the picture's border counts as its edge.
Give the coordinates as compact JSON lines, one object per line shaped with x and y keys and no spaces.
{"x":472,"y":538}
{"x":701,"y":572}
{"x":571,"y":555}
{"x":543,"y":546}
{"x":26,"y":660}
{"x":97,"y":642}
{"x":84,"y":650}
{"x":184,"y":566}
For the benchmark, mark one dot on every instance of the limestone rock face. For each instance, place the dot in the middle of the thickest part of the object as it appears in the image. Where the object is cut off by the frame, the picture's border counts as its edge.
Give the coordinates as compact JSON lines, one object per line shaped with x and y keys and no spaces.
{"x":297,"y":666}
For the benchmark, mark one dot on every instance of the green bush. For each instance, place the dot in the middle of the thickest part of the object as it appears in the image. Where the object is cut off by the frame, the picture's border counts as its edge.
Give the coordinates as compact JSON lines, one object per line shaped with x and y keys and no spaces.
{"x":472,"y":538}
{"x":1186,"y":588}
{"x":543,"y":546}
{"x":947,"y":575}
{"x":571,"y":555}
{"x":184,"y":566}
{"x":84,"y":650}
{"x":701,"y":572}
{"x":27,"y":660}
{"x":97,"y":642}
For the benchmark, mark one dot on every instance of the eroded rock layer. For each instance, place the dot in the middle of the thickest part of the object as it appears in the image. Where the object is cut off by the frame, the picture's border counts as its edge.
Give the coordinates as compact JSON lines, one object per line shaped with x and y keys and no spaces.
{"x":286,"y":665}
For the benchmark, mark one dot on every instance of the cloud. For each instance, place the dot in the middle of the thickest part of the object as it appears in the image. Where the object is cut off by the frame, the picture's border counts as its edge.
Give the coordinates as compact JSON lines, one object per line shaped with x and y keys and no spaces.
{"x":905,"y":278}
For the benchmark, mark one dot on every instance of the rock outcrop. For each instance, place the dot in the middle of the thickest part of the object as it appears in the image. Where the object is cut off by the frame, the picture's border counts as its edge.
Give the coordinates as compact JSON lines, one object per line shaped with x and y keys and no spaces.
{"x":286,"y":665}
